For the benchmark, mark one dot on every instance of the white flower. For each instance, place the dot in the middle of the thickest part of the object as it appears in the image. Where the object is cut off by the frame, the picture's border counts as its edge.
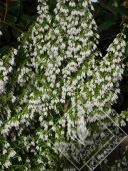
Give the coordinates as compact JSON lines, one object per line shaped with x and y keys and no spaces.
{"x":7,"y":163}
{"x":13,"y":99}
{"x":0,"y":33}
{"x":12,"y":154}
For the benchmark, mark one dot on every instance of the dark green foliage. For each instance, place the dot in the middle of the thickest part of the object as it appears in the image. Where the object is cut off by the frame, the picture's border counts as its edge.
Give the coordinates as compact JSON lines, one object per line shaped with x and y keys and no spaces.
{"x":15,"y":17}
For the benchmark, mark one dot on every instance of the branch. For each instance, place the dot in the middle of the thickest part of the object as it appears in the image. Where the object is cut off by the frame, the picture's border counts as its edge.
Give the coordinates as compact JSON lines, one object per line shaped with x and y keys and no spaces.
{"x":11,"y":25}
{"x":6,"y":10}
{"x":66,"y":106}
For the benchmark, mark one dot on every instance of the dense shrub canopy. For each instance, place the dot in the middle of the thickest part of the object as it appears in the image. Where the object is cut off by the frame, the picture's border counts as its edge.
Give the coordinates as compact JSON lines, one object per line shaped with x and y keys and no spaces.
{"x":56,"y":86}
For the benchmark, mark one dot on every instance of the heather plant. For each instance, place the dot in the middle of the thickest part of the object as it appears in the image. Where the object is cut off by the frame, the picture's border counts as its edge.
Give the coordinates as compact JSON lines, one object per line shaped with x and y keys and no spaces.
{"x":56,"y":87}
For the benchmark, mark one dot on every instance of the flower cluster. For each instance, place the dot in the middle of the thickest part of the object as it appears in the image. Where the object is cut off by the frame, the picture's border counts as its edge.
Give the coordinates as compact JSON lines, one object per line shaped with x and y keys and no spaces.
{"x":6,"y":66}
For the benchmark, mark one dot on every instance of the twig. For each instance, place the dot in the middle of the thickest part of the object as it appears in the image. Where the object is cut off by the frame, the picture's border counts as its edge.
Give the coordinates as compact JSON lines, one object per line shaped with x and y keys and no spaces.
{"x":124,"y":19}
{"x":11,"y":25}
{"x":6,"y":10}
{"x":66,"y":106}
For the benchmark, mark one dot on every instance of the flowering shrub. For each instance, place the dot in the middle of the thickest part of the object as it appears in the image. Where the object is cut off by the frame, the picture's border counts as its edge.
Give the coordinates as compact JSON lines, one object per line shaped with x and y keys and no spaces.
{"x":57,"y":71}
